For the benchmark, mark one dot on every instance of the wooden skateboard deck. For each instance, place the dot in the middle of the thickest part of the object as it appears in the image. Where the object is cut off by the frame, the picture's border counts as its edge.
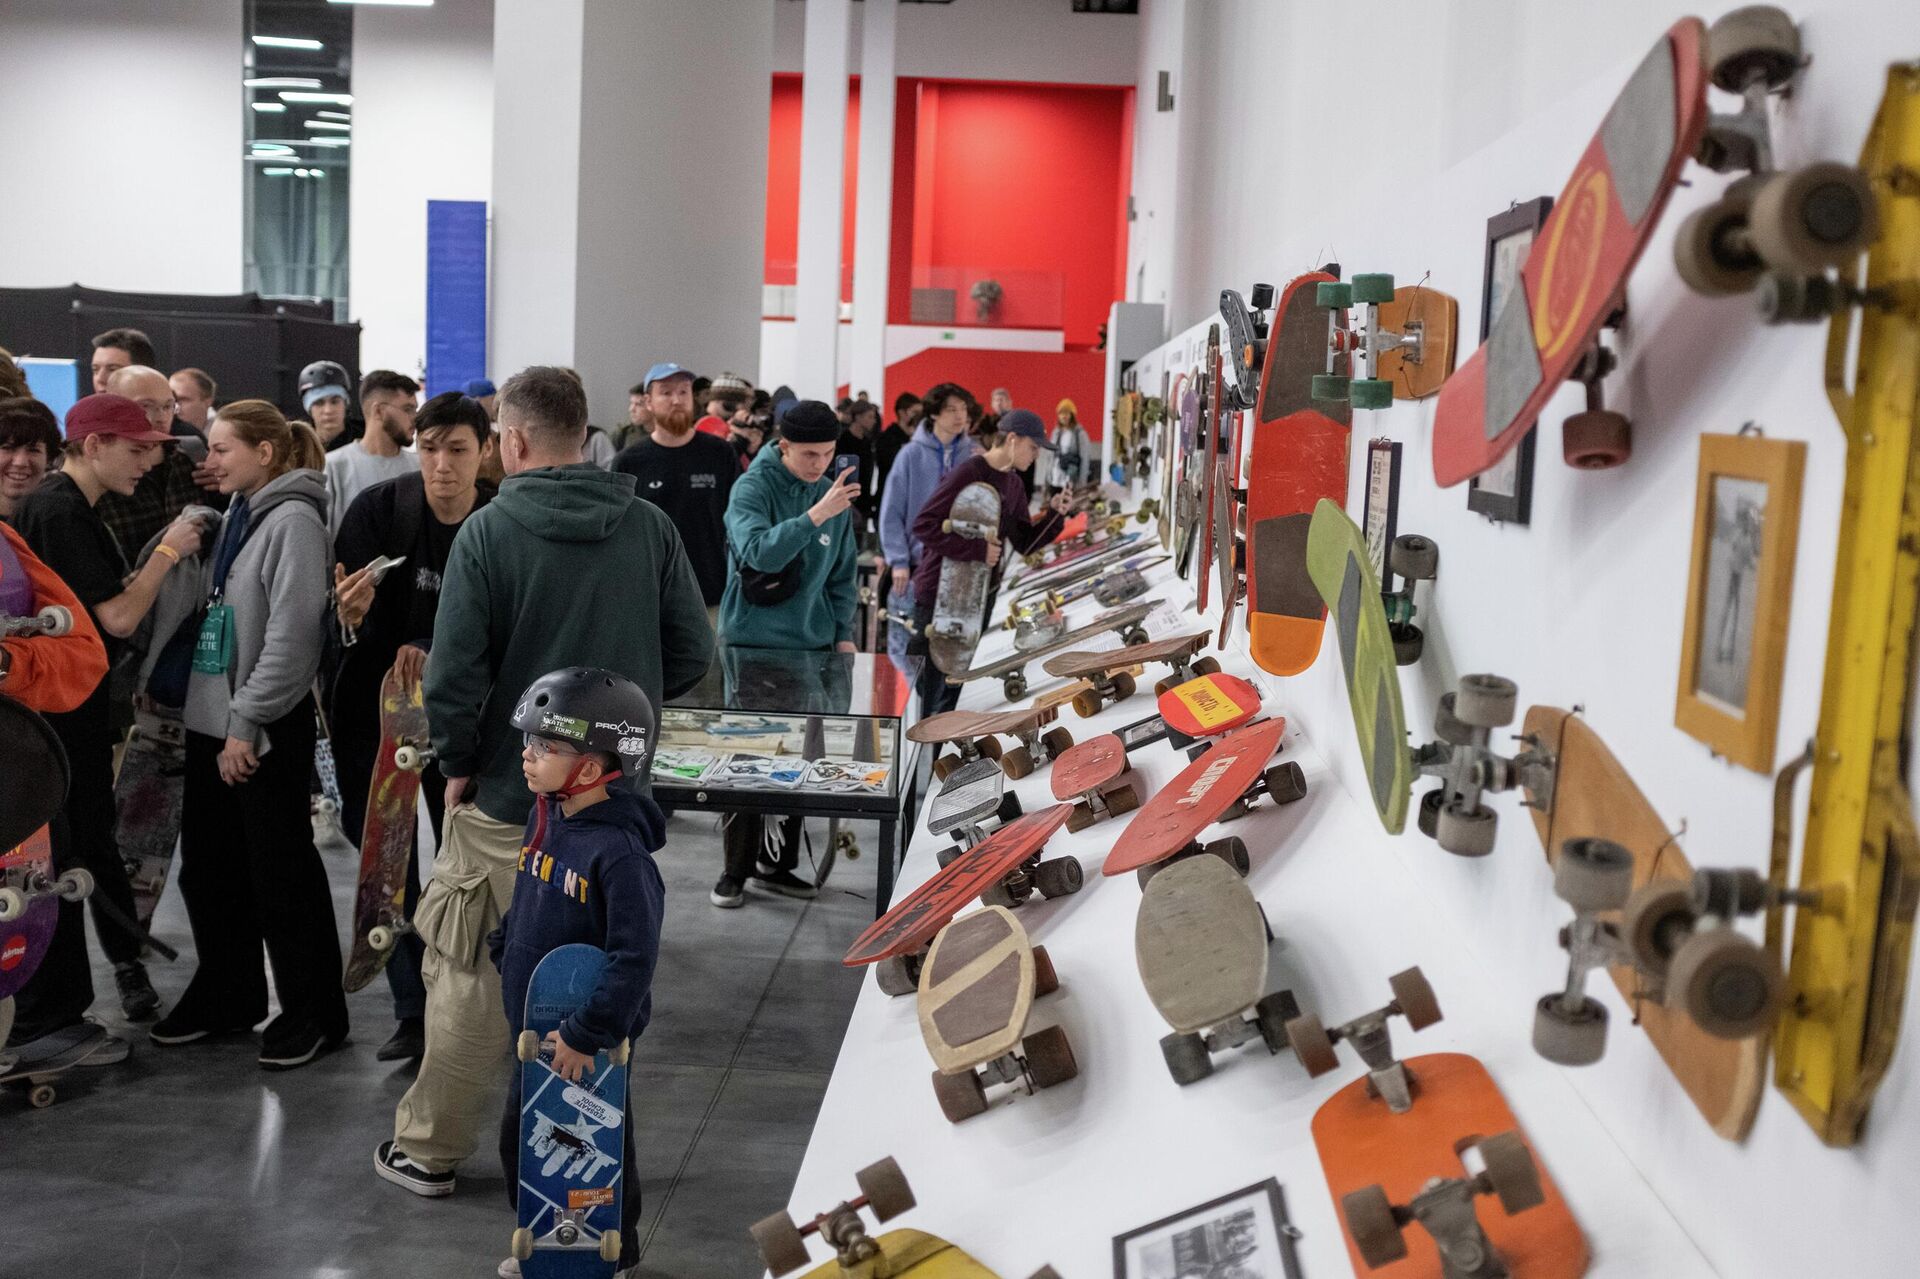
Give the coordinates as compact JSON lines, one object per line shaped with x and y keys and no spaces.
{"x":1212,"y":447}
{"x":960,"y":604}
{"x":1172,"y":649}
{"x":959,"y":726}
{"x":1437,"y":316}
{"x":1362,"y":1143}
{"x":1594,"y":796}
{"x":976,"y":989}
{"x":913,"y":922}
{"x":386,"y":841}
{"x":148,"y":796}
{"x":1209,"y":705}
{"x":1343,"y":574}
{"x":1070,"y":566}
{"x":1201,"y":944}
{"x":571,"y":1162}
{"x":1299,"y":458}
{"x":1576,"y":272}
{"x":1225,"y":517}
{"x":1186,"y":493}
{"x":1126,"y":621}
{"x":1088,"y":776}
{"x":1196,"y":798}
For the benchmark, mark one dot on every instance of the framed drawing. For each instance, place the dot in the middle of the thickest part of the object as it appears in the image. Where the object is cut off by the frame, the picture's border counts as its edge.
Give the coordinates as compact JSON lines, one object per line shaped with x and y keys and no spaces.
{"x":1746,"y":526}
{"x":1245,"y":1234}
{"x":1504,"y":492}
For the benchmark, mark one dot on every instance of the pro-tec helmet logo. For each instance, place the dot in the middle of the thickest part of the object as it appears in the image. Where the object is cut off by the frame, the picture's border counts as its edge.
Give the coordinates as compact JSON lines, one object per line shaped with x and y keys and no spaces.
{"x":1204,"y":783}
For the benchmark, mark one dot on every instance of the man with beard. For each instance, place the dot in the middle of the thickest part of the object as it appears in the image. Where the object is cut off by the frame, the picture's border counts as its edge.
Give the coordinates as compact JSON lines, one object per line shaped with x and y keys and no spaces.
{"x":387,"y":402}
{"x":686,"y":473}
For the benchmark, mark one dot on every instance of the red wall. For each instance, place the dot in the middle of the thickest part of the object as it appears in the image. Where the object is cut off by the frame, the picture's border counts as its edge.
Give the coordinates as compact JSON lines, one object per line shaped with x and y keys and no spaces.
{"x":1036,"y":379}
{"x":783,"y":184}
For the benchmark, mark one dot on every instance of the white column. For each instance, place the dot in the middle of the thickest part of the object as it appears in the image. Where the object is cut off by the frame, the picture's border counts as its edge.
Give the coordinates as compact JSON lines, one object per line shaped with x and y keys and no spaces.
{"x":823,"y":146}
{"x":873,"y":201}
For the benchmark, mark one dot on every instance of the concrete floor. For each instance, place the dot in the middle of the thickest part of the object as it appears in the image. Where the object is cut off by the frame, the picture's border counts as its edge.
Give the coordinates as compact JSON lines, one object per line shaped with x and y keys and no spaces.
{"x":194,"y":1163}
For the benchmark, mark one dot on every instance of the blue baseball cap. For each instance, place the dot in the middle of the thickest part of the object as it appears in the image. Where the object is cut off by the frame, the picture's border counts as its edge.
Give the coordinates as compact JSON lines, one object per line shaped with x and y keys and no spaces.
{"x":478,"y":389}
{"x":1026,"y":422}
{"x":664,"y":370}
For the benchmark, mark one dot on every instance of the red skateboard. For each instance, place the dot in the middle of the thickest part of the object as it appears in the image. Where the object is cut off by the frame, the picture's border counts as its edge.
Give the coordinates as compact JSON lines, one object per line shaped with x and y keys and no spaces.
{"x":386,"y":841}
{"x":1219,"y":785}
{"x":1090,"y":774}
{"x":1001,"y":871}
{"x":1209,"y":705}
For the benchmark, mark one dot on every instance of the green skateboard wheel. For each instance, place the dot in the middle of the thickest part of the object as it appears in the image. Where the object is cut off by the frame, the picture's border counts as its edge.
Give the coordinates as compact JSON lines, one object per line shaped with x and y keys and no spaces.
{"x":1333,"y":294}
{"x":1370,"y":393}
{"x":1330,"y":386}
{"x":1376,"y":287}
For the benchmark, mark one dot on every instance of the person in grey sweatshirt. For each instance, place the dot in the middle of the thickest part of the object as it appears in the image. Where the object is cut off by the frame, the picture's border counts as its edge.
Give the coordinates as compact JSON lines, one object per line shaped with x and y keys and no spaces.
{"x":249,"y":871}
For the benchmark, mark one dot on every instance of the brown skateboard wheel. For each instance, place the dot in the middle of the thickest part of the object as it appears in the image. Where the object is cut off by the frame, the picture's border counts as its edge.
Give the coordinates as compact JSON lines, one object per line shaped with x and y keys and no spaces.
{"x":1017,"y":762}
{"x":1058,"y":741}
{"x":1087,"y":703}
{"x":1122,"y":799}
{"x":1049,"y":1057}
{"x":1370,"y":1221}
{"x":1510,"y":1167}
{"x":885,"y":1188}
{"x":1596,"y":440}
{"x":1311,"y":1045}
{"x":1123,"y":686}
{"x":989,"y":747}
{"x":1045,"y":979}
{"x":1080,"y":818}
{"x":1206,"y":666}
{"x":945,"y":765}
{"x":961,"y":1096}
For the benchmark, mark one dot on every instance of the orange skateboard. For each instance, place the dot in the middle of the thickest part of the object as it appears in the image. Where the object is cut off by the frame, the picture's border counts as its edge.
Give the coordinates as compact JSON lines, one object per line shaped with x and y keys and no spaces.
{"x":1207,"y":706}
{"x":1090,"y":773}
{"x":1106,"y":672}
{"x":393,"y":800}
{"x":1220,"y":785}
{"x":974,"y":733}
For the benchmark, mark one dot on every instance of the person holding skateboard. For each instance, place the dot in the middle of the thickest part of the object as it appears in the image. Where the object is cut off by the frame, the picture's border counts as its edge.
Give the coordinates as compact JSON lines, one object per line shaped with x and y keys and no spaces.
{"x":412,"y":519}
{"x":586,"y":874}
{"x":1020,"y":439}
{"x":939,"y":445}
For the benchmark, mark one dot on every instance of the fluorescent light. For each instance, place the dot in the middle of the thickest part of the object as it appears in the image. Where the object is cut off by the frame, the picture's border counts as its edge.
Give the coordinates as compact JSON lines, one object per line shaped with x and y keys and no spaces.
{"x":333,"y":115}
{"x":281,"y":82}
{"x":269,"y":106}
{"x":276,"y":173}
{"x":328,"y":124}
{"x":338,"y":99}
{"x":271,"y":148}
{"x":329,"y":142}
{"x":287,"y":42}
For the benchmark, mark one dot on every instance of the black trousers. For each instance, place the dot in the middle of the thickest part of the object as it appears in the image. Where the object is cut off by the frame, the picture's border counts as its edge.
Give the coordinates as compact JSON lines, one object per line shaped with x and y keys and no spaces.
{"x":250,"y":874}
{"x":629,"y":1182}
{"x":88,"y":735}
{"x":743,"y":838}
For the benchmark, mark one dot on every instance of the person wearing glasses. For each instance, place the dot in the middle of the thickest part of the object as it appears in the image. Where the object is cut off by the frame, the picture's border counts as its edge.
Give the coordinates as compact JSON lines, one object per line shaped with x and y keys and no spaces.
{"x":180,"y":479}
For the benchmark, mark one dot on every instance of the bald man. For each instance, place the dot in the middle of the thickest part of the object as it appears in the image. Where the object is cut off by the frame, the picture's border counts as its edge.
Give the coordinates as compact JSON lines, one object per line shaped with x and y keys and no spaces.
{"x":169,"y":487}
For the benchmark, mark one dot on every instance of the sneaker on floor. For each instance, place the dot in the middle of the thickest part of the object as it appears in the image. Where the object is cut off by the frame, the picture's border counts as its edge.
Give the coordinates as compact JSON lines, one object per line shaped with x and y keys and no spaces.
{"x":109,"y":1049}
{"x":408,"y":1043}
{"x":112,"y":1051}
{"x":285,"y":1044}
{"x":727,"y":894}
{"x":393,"y":1165}
{"x":786,"y":883}
{"x":138,"y":999}
{"x":509,"y":1269}
{"x":179,"y":1027}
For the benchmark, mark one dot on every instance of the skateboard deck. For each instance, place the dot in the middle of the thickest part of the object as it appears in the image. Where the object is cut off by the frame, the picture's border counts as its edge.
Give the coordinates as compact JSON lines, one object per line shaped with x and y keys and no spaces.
{"x":1575,"y":274}
{"x":1171,"y":649}
{"x":1088,"y":776}
{"x":976,"y":734}
{"x":970,"y":796}
{"x":960,"y":602}
{"x":1362,"y":1143}
{"x":1209,"y":705}
{"x":1228,"y":555}
{"x":1186,"y":492}
{"x":570,"y":1139}
{"x":386,"y":841}
{"x":1128,"y":621}
{"x":1199,"y":796}
{"x":1436,"y":317}
{"x":1593,"y":796}
{"x":1298,"y":459}
{"x":1213,"y":430}
{"x":26,"y":922}
{"x":148,"y":796}
{"x":1201,"y":944}
{"x":51,"y":1058}
{"x":1080,"y":560}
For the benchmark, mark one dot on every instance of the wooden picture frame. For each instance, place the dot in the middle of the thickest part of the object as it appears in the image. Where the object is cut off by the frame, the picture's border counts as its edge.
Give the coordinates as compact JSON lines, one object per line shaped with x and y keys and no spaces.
{"x":1746,"y":530}
{"x":1504,"y":492}
{"x":1251,"y":1222}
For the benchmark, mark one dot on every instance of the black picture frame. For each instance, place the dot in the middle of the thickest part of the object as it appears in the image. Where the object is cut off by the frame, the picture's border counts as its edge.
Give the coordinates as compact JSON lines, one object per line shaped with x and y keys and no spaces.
{"x":1504,"y":255}
{"x":1285,"y":1231}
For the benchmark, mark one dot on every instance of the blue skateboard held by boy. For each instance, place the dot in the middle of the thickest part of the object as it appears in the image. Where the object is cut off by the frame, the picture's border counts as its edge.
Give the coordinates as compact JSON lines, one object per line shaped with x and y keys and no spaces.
{"x":570,"y":1138}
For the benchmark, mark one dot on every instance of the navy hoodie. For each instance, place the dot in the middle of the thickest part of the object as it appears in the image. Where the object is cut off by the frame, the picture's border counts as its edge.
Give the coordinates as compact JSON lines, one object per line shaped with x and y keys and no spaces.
{"x":588,"y":878}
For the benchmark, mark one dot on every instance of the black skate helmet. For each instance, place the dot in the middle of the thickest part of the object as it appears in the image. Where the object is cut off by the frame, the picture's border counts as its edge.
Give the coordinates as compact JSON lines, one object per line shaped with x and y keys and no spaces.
{"x":323,"y":373}
{"x":594,"y":710}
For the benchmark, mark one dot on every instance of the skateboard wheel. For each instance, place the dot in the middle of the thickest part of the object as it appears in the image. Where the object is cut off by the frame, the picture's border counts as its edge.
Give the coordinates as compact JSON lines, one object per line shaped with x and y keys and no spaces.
{"x":1466,"y":832}
{"x":1049,"y":1057}
{"x":1414,"y":556}
{"x":13,"y":904}
{"x":1372,"y":286}
{"x":1757,"y":40}
{"x":1813,"y":218}
{"x":380,"y":937}
{"x":1233,"y":851}
{"x":780,"y":1243}
{"x":1329,"y":386}
{"x":1370,"y":393}
{"x":1058,"y":876}
{"x":1712,"y":252}
{"x":522,"y":1245}
{"x":1206,"y":666}
{"x":40,"y":1096}
{"x":1593,"y":874}
{"x":1449,"y":727}
{"x":527,"y":1047}
{"x":1414,"y":994}
{"x":945,"y":765}
{"x":1274,"y":1011}
{"x":1001,"y":895}
{"x":1311,"y":1045}
{"x":610,"y":1246}
{"x":885,"y":1188}
{"x":1486,"y":701}
{"x":74,"y":885}
{"x":1728,"y":985}
{"x":896,"y":976}
{"x":1286,"y":783}
{"x":1017,"y":762}
{"x":407,"y":759}
{"x":1596,"y":440}
{"x":988,"y":748}
{"x":1135,"y":634}
{"x":1161,"y":686}
{"x":1188,"y":1060}
{"x":1123,"y":686}
{"x":1122,"y":799}
{"x":1014,"y":686}
{"x":1658,"y":919}
{"x":1511,"y":1171}
{"x":1057,"y":741}
{"x":1333,"y":294}
{"x":946,"y":855}
{"x":1145,"y":874}
{"x":1078,"y":820}
{"x":961,"y":1096}
{"x":1371,"y":1223}
{"x":1408,"y":643}
{"x":1569,"y":1037}
{"x":56,"y":620}
{"x":1009,"y":807}
{"x":619,"y":1054}
{"x":1087,"y":703}
{"x":1046,"y":979}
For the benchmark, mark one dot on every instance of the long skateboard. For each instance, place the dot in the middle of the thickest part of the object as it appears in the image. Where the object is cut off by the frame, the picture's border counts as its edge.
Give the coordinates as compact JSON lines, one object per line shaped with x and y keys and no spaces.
{"x":1298,"y":459}
{"x":1200,"y":941}
{"x":1214,"y":428}
{"x":960,"y":602}
{"x":1128,"y":622}
{"x":36,"y":1067}
{"x":1003,"y":870}
{"x":1097,"y":529}
{"x":386,"y":841}
{"x":975,"y":734}
{"x":1114,"y":584}
{"x":1401,"y":343}
{"x":1226,"y":517}
{"x":1187,"y":488}
{"x":971,"y":803}
{"x":977,"y":988}
{"x":571,"y":1169}
{"x":1106,"y":674}
{"x":1071,"y":566}
{"x":148,"y":796}
{"x":1221,"y":784}
{"x":1088,"y":777}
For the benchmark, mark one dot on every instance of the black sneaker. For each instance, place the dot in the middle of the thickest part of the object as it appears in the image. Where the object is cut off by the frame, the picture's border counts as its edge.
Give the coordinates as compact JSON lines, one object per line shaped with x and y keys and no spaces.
{"x":409,"y":1041}
{"x":178,"y":1027}
{"x":786,"y":883}
{"x":285,"y":1045}
{"x":138,"y":999}
{"x":393,"y":1165}
{"x":728,"y":893}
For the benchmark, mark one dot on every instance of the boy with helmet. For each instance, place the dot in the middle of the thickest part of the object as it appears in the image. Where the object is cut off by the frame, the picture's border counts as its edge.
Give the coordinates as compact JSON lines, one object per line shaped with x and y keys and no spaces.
{"x":324,"y":387}
{"x":586,"y":874}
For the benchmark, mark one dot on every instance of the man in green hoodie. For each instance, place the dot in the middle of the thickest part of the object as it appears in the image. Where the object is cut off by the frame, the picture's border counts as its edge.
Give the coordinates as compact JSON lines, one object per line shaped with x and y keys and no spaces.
{"x":566,"y":567}
{"x":791,"y":551}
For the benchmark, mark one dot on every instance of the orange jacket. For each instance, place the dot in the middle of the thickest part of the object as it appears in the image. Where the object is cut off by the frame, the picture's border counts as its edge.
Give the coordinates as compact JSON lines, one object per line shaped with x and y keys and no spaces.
{"x":52,"y":674}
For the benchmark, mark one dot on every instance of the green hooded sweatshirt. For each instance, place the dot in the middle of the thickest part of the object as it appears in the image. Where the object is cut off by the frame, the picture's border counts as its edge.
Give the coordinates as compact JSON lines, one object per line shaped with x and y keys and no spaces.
{"x":767,"y":526}
{"x":566,"y":567}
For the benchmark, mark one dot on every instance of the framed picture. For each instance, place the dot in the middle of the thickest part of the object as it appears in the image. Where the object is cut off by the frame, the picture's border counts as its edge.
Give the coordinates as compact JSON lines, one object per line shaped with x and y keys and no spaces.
{"x":1380,"y":522}
{"x":1746,"y":528}
{"x":1244,"y":1235}
{"x":1504,"y":491}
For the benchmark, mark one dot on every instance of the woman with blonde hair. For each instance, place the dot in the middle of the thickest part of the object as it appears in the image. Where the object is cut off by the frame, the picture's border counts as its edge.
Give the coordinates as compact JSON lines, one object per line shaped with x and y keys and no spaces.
{"x":1070,"y":463}
{"x":249,"y":871}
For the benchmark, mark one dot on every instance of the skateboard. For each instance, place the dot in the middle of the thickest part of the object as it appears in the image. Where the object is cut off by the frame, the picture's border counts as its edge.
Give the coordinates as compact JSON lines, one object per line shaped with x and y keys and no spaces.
{"x":1171,"y":384}
{"x":1405,"y":559}
{"x":1070,"y":566}
{"x":1186,"y":490}
{"x":1200,"y":941}
{"x":570,"y":1147}
{"x":1213,"y":433}
{"x":1402,"y":341}
{"x":961,"y":599}
{"x":1106,"y":671}
{"x":973,"y":796}
{"x":51,"y":1057}
{"x":1207,"y":706}
{"x":386,"y":841}
{"x":1113,"y":585}
{"x":1090,"y":774}
{"x":1003,"y":870}
{"x":1227,"y":520}
{"x":1222,"y":784}
{"x":977,"y":988}
{"x":973,"y":733}
{"x":1298,"y":459}
{"x":1128,"y":622}
{"x":33,"y":785}
{"x":148,"y":796}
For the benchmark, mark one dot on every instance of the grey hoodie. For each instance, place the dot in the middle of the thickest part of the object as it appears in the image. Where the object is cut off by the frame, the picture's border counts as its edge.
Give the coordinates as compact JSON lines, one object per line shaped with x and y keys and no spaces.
{"x":278,"y":590}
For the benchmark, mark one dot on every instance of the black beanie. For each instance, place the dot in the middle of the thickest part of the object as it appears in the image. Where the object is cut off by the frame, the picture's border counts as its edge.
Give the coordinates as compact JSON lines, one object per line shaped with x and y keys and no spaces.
{"x":809,"y":422}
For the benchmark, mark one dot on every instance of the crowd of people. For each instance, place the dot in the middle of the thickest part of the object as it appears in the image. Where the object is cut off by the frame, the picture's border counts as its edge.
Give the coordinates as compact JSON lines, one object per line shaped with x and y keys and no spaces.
{"x":544,"y":579}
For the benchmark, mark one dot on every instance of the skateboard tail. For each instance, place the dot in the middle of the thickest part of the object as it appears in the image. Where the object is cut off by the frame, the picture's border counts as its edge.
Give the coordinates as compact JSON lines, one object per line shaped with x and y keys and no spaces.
{"x":1284,"y":645}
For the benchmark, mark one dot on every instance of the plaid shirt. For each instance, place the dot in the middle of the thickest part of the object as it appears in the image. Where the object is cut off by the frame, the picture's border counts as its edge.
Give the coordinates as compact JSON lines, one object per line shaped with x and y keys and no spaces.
{"x":161,"y":495}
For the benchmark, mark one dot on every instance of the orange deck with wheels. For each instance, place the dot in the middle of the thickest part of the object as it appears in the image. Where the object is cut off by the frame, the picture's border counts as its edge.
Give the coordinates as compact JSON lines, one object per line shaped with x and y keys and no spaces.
{"x":1195,"y":799}
{"x":1208,"y":705}
{"x":1362,"y":1143}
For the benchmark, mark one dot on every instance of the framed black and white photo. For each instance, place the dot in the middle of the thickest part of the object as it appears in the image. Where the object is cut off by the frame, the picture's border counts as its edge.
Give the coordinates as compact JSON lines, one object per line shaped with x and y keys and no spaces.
{"x":1244,"y":1235}
{"x":1504,"y":491}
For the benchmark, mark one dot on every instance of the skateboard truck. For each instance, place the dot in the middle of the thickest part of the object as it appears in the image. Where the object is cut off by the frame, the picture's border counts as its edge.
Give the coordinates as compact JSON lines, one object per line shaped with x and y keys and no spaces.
{"x":1414,"y":559}
{"x":71,"y":886}
{"x":883,"y":1192}
{"x":1387,"y":1077}
{"x":1466,"y":765}
{"x":1444,"y":1209}
{"x":1365,"y":342}
{"x":1246,"y":341}
{"x":52,"y":621}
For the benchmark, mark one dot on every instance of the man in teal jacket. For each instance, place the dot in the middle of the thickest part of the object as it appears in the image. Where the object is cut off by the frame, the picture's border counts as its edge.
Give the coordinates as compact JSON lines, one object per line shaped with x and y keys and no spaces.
{"x":791,"y":548}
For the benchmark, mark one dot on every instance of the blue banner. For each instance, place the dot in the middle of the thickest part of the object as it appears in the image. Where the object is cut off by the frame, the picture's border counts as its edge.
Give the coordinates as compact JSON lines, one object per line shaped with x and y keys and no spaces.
{"x":456,"y":293}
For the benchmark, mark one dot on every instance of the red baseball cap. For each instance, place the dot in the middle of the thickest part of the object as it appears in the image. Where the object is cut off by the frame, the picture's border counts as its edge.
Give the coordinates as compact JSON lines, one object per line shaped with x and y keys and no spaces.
{"x":112,"y":415}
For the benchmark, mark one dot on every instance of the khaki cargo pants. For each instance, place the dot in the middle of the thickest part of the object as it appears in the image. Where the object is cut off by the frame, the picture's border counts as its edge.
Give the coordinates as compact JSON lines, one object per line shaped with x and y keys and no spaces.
{"x":456,"y":1097}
